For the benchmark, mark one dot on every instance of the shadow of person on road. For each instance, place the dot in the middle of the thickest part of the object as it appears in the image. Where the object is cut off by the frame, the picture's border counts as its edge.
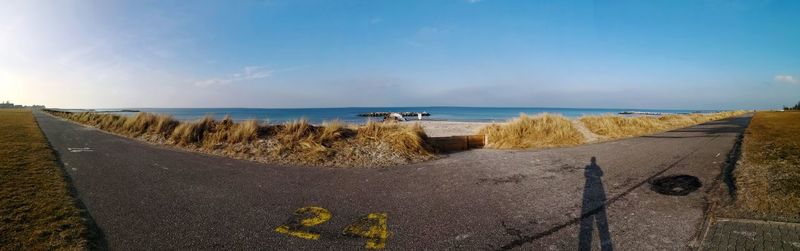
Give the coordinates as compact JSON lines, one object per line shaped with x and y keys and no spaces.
{"x":594,"y":210}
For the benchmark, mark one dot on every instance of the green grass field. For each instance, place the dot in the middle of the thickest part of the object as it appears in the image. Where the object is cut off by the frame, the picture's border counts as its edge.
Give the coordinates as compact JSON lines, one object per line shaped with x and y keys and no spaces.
{"x":36,"y":209}
{"x":768,"y":175}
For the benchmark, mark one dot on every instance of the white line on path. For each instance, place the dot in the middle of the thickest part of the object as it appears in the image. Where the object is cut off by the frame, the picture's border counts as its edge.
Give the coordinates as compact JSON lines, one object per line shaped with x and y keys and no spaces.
{"x":159,"y":166}
{"x":79,"y":149}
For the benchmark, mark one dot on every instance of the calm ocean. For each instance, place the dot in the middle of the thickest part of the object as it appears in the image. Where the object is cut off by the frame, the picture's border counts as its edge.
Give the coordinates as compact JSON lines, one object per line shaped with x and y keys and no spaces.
{"x":318,"y":115}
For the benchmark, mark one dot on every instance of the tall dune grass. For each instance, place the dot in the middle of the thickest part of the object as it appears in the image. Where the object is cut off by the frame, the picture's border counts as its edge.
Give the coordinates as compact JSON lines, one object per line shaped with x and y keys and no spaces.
{"x":142,"y":123}
{"x":193,"y":132}
{"x":547,"y":130}
{"x":246,"y":131}
{"x":296,"y":142}
{"x":337,"y":144}
{"x":139,"y":124}
{"x":408,"y":140}
{"x":543,"y":130}
{"x":164,"y":125}
{"x":614,"y":126}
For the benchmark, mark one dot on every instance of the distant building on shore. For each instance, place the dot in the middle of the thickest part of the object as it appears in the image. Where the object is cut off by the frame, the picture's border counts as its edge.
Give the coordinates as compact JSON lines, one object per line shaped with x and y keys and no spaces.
{"x":8,"y":104}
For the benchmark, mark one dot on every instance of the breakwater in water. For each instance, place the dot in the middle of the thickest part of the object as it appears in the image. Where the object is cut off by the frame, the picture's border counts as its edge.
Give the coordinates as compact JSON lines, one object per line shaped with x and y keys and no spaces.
{"x":384,"y":114}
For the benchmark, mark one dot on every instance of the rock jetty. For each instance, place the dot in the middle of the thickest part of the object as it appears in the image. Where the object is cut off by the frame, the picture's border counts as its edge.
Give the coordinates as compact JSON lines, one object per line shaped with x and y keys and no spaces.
{"x":384,"y":114}
{"x":644,"y":113}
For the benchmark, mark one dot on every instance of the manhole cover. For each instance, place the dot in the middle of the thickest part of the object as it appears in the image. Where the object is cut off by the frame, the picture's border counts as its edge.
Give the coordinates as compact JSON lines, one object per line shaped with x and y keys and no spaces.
{"x":675,"y":185}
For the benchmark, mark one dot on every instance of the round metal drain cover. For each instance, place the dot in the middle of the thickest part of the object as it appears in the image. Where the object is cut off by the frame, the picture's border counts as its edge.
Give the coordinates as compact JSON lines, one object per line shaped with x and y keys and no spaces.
{"x":679,"y":185}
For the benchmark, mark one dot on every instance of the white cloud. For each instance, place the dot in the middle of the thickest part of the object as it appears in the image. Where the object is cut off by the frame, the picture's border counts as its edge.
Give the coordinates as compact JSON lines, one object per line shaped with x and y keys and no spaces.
{"x":248,"y":73}
{"x":376,"y":20}
{"x":787,"y":79}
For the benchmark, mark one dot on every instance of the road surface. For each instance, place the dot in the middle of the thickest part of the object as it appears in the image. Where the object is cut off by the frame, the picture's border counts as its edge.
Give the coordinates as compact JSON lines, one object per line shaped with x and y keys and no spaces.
{"x":144,"y":196}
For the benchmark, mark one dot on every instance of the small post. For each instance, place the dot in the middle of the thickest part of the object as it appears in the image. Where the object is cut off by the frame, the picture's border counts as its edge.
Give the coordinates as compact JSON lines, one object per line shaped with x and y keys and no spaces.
{"x":419,"y":116}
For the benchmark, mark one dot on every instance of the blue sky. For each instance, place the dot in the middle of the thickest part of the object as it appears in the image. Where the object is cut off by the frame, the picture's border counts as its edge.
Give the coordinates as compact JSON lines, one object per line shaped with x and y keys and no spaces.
{"x":714,"y":54}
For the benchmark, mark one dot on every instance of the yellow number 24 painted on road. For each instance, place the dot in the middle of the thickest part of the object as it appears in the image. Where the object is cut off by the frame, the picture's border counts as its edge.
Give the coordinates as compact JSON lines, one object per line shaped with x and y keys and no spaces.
{"x":372,"y":227}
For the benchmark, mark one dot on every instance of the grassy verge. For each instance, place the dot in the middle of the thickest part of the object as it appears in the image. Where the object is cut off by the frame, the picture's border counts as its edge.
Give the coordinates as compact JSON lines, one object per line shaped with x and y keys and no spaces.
{"x":36,"y":210}
{"x":767,"y":176}
{"x":296,"y":143}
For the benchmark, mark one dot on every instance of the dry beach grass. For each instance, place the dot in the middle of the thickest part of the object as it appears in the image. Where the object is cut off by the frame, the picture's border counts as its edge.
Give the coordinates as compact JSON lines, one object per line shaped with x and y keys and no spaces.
{"x":297,"y":142}
{"x":374,"y":144}
{"x":36,"y":209}
{"x":547,"y":130}
{"x":614,"y":126}
{"x":543,"y":130}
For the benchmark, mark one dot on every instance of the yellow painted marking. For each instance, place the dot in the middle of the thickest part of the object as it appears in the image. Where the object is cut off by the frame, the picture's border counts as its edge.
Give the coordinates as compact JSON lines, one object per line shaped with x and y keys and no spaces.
{"x":299,"y":220}
{"x":373,"y":228}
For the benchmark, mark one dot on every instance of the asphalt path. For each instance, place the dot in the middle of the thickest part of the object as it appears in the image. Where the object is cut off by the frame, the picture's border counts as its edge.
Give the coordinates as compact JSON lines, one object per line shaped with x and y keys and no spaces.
{"x":143,"y":196}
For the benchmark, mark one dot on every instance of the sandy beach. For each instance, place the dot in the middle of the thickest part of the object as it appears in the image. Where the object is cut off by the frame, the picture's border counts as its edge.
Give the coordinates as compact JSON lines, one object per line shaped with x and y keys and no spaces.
{"x":449,"y":128}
